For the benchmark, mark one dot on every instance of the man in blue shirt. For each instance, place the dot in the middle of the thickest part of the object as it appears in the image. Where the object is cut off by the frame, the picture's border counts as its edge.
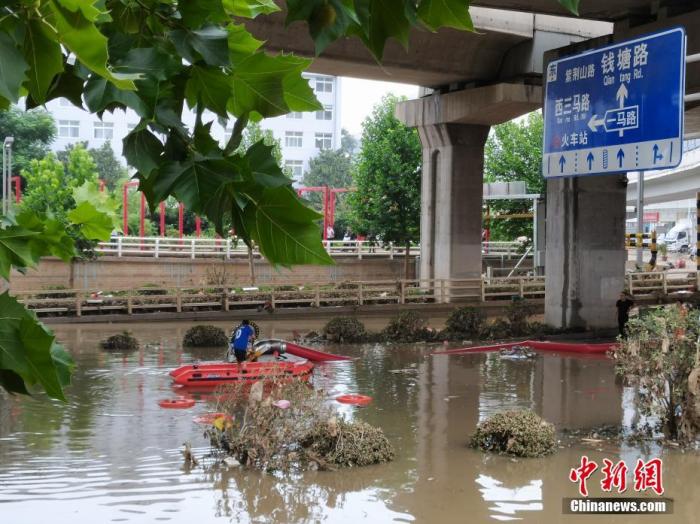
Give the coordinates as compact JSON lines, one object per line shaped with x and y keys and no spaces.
{"x":240,"y":339}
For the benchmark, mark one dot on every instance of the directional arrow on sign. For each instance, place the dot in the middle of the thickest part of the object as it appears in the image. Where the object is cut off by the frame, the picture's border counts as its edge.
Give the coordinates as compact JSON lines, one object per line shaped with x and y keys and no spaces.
{"x":621,"y":95}
{"x":594,"y":122}
{"x":657,"y":155}
{"x":620,"y":156}
{"x":562,"y":161}
{"x":590,"y":159}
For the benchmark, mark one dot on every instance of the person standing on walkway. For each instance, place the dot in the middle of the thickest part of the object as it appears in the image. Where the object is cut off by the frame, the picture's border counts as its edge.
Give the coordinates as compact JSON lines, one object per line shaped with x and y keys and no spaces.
{"x":623,"y":305}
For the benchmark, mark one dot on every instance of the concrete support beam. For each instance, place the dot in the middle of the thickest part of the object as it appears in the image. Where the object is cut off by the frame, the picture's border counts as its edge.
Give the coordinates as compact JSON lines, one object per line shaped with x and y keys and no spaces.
{"x":585,"y":256}
{"x":453,"y":128}
{"x":451,"y":200}
{"x":486,"y":106}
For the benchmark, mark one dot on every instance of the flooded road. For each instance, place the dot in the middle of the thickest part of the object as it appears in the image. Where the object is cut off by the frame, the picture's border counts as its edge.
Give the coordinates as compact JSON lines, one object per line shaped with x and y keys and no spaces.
{"x":112,"y":455}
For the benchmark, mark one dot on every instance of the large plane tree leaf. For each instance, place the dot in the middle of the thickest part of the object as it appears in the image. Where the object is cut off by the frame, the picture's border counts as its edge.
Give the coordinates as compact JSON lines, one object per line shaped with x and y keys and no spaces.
{"x":267,"y":84}
{"x":208,"y":86}
{"x":284,"y":229}
{"x":250,"y":8}
{"x":29,"y":350}
{"x":15,"y":249}
{"x":93,"y":224}
{"x":12,"y":68}
{"x":44,"y":56}
{"x":95,"y":212}
{"x":81,"y":36}
{"x":445,"y":13}
{"x":143,"y":150}
{"x":571,"y":5}
{"x":328,"y":19}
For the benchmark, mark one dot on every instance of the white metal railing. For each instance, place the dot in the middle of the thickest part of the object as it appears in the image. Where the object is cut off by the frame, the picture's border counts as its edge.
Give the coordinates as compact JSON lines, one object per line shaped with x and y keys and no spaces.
{"x":191,"y":247}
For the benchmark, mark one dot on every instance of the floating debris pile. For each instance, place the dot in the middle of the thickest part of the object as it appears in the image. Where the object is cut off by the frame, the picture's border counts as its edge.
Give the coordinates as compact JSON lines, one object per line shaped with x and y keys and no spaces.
{"x":519,"y":433}
{"x":292,"y":426}
{"x":204,"y":336}
{"x":124,"y":340}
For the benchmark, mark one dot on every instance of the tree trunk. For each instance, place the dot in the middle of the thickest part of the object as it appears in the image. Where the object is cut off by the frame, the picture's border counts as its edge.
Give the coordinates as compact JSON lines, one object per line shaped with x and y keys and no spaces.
{"x":405,"y":260}
{"x":71,"y":277}
{"x":251,"y":265}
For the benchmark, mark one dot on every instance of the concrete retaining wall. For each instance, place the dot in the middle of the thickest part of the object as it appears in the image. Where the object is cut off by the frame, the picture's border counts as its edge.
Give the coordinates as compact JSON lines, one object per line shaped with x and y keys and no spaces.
{"x":129,"y":272}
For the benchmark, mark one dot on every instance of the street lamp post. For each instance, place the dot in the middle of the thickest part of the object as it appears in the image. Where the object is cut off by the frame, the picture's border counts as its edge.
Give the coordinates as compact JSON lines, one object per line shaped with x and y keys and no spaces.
{"x":6,"y":173}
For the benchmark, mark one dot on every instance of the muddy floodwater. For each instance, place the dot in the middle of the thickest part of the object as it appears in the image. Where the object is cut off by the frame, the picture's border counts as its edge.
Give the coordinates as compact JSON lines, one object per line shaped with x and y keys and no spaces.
{"x":111,"y":454}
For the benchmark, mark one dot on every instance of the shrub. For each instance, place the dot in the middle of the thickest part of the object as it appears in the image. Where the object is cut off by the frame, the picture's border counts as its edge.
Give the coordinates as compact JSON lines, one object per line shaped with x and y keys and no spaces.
{"x":204,"y":336}
{"x":660,"y":356}
{"x":465,"y":322}
{"x":406,"y":326}
{"x":124,"y":340}
{"x":498,"y":329}
{"x":344,"y":329}
{"x":519,"y":433}
{"x":518,"y":313}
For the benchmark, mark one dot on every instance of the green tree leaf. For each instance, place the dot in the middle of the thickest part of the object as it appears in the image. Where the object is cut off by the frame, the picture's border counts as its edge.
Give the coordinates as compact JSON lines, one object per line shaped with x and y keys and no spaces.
{"x":241,"y":43}
{"x":143,"y":150}
{"x":284,"y":229}
{"x":381,"y":20}
{"x":101,"y":95}
{"x":80,"y":35}
{"x":13,"y":67}
{"x":44,"y":58}
{"x":571,"y":5}
{"x":12,"y":382}
{"x":193,"y":181}
{"x":94,"y":225}
{"x":210,"y":43}
{"x":50,"y":238}
{"x":328,"y":19}
{"x":15,"y":249}
{"x":250,"y":8}
{"x":445,"y":13}
{"x":210,"y":87}
{"x":261,"y":84}
{"x":28,"y":348}
{"x":149,"y":61}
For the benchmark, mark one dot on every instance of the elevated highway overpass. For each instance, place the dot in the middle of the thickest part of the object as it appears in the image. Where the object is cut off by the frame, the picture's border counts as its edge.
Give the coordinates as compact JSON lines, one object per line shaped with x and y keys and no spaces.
{"x":484,"y":78}
{"x":682,"y":183}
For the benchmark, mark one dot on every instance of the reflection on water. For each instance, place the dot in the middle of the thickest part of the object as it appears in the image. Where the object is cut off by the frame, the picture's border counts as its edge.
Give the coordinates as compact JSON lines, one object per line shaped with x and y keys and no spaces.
{"x":508,"y":501}
{"x":112,"y":455}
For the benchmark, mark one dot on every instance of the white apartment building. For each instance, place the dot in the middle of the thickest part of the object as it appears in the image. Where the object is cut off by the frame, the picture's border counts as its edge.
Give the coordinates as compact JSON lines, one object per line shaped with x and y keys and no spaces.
{"x":302,"y":135}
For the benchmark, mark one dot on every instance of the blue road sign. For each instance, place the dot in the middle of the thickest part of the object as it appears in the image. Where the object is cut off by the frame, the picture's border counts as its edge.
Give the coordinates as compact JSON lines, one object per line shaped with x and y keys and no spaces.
{"x":616,"y":109}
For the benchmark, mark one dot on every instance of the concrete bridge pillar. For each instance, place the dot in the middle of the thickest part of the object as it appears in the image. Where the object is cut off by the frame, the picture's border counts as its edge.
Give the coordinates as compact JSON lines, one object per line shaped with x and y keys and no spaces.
{"x":585,"y":255}
{"x":453,"y":128}
{"x":451,"y":200}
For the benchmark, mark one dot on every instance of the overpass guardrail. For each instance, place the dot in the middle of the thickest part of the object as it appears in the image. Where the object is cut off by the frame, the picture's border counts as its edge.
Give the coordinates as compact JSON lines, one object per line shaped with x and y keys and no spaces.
{"x":82,"y":302}
{"x":193,"y":248}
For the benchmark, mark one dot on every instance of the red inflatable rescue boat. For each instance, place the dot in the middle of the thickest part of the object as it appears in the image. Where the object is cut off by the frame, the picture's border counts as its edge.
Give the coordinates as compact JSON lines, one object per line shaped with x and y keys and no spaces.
{"x":211,"y":375}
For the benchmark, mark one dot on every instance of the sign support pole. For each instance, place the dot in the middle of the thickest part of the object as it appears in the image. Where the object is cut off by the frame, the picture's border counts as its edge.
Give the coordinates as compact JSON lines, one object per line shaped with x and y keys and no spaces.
{"x":640,"y":218}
